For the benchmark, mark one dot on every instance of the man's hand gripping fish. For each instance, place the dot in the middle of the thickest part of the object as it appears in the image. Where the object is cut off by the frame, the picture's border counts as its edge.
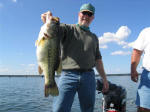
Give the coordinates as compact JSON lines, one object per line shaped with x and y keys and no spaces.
{"x":48,"y":54}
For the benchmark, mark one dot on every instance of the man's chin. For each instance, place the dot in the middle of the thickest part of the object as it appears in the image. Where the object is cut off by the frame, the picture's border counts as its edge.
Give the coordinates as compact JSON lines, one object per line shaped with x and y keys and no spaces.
{"x":84,"y":24}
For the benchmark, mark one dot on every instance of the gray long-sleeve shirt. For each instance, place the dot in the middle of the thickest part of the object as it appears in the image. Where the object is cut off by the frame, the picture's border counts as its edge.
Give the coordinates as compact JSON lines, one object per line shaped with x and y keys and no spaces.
{"x":80,"y":48}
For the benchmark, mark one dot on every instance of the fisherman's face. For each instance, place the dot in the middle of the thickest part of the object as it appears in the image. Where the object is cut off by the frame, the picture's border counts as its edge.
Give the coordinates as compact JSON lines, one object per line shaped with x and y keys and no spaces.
{"x":85,"y":18}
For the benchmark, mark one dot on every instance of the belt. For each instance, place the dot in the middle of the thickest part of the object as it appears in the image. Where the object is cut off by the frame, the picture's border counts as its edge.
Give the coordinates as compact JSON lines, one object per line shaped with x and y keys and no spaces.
{"x":79,"y":70}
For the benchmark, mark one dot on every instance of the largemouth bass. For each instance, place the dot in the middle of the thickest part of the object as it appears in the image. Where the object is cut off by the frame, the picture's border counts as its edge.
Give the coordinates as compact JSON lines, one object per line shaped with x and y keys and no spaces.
{"x":48,"y":55}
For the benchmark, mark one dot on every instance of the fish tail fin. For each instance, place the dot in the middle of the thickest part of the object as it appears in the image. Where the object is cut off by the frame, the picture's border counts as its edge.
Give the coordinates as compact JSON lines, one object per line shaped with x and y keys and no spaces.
{"x":51,"y":90}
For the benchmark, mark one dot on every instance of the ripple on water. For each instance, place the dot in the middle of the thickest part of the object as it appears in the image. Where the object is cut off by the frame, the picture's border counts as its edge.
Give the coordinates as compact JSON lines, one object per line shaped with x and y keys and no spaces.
{"x":21,"y":94}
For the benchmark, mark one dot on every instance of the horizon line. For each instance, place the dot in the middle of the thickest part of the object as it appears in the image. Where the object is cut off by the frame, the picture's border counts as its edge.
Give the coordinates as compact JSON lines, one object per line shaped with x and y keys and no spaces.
{"x":119,"y":74}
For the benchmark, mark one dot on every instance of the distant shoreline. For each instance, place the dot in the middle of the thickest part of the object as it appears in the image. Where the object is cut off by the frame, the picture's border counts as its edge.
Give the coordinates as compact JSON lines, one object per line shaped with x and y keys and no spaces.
{"x":56,"y":75}
{"x":21,"y":76}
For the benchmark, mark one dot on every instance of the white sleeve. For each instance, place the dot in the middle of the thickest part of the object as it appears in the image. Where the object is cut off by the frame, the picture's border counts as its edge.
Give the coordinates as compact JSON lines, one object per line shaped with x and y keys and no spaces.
{"x":141,"y":41}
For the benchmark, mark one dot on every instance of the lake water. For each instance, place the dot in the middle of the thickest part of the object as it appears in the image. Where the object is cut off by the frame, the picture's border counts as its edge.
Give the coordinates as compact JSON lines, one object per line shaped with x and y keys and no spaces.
{"x":26,"y":94}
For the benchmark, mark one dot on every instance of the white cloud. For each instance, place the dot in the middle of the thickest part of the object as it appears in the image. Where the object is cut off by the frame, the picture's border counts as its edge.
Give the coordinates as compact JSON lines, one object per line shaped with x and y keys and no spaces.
{"x":31,"y":65}
{"x":128,"y":45}
{"x":22,"y":69}
{"x":121,"y":53}
{"x":122,"y":33}
{"x":117,"y":70}
{"x":104,"y":46}
{"x":106,"y":38}
{"x":28,"y":67}
{"x":122,"y":43}
{"x":3,"y":70}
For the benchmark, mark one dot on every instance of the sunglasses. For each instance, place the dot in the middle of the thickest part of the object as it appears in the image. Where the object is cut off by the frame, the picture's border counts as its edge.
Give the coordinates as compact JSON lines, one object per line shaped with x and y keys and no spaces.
{"x":87,"y":13}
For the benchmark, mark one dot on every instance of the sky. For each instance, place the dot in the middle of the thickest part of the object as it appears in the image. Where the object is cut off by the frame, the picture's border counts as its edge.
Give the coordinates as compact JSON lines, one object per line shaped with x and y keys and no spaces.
{"x":117,"y":25}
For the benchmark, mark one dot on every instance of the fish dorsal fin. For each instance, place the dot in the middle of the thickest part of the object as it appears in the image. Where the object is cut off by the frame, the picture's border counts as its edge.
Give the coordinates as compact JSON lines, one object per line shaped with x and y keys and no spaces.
{"x":56,"y":19}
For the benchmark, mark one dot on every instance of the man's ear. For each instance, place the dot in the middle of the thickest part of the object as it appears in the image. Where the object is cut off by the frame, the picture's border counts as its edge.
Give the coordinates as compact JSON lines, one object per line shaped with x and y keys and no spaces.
{"x":79,"y":13}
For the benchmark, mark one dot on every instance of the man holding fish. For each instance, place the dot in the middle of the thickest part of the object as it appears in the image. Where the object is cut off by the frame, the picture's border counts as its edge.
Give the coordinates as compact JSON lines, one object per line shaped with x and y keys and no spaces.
{"x":79,"y":54}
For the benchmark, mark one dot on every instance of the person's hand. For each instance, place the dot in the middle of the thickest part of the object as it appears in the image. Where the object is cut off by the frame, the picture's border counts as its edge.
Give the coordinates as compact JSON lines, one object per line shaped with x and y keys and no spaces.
{"x":46,"y":17}
{"x":134,"y":76}
{"x":105,"y":86}
{"x":43,"y":17}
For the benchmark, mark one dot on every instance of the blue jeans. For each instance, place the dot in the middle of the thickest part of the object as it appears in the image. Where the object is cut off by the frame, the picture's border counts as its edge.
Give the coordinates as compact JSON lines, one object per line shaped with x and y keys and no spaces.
{"x":71,"y":82}
{"x":143,"y":92}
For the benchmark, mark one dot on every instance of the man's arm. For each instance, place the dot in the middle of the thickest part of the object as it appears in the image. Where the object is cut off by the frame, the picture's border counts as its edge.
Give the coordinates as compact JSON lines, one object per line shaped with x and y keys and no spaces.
{"x":135,"y":59}
{"x":100,"y":70}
